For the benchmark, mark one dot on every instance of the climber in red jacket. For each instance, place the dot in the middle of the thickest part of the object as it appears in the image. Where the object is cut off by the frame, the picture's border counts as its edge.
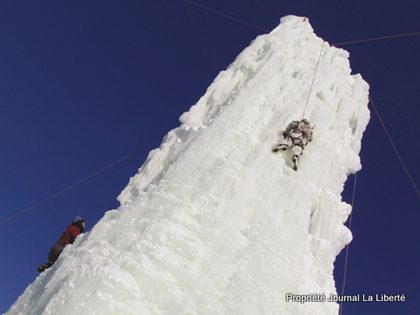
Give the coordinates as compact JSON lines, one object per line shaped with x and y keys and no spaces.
{"x":76,"y":227}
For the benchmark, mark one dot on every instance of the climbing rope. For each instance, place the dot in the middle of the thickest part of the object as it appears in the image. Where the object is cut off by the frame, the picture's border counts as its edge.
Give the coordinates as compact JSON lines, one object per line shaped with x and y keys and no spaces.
{"x":313,"y":79}
{"x":348,"y":245}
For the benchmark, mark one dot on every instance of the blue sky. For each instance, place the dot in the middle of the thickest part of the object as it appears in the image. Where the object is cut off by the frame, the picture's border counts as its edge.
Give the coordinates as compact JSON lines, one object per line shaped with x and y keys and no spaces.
{"x":85,"y":83}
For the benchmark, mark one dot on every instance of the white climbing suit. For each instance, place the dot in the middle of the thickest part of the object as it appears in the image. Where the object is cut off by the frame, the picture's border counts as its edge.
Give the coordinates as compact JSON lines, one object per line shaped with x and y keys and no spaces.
{"x":298,"y":134}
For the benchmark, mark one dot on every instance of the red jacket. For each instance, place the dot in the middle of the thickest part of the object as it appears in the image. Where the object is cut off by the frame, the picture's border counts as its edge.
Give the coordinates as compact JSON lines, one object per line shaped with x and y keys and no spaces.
{"x":69,"y":235}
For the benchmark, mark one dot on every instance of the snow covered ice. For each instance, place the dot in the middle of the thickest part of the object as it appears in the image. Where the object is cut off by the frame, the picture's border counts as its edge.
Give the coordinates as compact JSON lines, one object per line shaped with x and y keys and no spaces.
{"x":214,"y":222}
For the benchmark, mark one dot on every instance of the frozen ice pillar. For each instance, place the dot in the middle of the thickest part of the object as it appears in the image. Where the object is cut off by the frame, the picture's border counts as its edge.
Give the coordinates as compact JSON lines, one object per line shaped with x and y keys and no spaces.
{"x":214,"y":222}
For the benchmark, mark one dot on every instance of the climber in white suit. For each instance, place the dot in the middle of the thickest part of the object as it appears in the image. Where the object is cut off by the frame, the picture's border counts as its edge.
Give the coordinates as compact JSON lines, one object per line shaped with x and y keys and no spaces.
{"x":297,"y":134}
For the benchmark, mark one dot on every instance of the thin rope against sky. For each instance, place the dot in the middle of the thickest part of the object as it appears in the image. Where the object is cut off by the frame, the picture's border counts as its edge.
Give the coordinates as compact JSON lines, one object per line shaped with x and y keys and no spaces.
{"x":394,"y":147}
{"x":372,"y":39}
{"x":227,"y":16}
{"x":364,"y":40}
{"x":60,"y":192}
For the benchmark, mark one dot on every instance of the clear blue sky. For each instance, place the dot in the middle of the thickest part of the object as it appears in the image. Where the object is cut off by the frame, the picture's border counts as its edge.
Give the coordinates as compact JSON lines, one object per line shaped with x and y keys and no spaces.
{"x":84,"y":83}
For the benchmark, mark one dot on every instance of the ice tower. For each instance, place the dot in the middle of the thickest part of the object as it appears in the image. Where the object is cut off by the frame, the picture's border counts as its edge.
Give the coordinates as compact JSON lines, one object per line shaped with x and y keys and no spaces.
{"x":214,"y":222}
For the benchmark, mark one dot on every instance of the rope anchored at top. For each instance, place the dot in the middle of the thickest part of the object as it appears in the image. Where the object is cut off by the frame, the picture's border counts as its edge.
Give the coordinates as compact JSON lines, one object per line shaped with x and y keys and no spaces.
{"x":313,"y":79}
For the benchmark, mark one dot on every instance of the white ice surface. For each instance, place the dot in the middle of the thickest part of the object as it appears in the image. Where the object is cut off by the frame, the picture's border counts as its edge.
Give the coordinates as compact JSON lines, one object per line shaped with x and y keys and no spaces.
{"x":214,"y":223}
